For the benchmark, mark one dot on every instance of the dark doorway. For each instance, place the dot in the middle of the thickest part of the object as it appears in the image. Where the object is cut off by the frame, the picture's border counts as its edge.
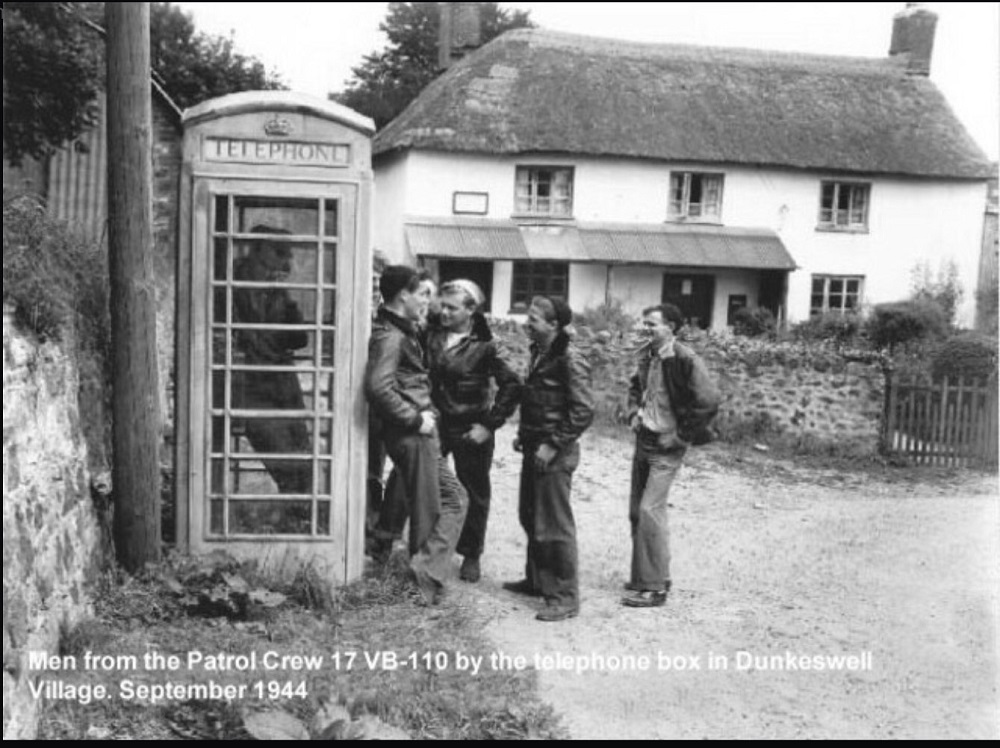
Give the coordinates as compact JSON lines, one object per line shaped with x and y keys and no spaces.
{"x":694,"y":295}
{"x":480,"y":273}
{"x":772,"y":292}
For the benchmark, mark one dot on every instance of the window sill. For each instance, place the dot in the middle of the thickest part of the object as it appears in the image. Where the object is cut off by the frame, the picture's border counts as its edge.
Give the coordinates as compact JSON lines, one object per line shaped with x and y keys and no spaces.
{"x":541,"y":217}
{"x":681,"y":220}
{"x":842,"y":230}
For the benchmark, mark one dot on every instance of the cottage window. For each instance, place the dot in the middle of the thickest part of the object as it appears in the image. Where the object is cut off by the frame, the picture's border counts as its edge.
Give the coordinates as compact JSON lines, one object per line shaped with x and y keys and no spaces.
{"x":835,"y":294}
{"x":844,"y":206}
{"x":696,"y":197}
{"x":544,"y":191}
{"x":533,"y":279}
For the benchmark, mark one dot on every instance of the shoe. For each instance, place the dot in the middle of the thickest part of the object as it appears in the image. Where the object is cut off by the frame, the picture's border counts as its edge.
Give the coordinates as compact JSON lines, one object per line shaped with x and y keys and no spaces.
{"x":470,"y":571}
{"x":645,"y":600}
{"x":555,"y":612}
{"x":633,"y":587}
{"x":380,"y":550}
{"x":524,"y":587}
{"x":430,"y":588}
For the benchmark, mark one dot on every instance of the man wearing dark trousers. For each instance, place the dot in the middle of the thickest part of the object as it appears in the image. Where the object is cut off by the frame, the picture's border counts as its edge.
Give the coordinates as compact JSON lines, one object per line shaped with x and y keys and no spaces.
{"x":464,"y":359}
{"x":398,"y":388}
{"x":556,"y":408}
{"x":672,"y":401}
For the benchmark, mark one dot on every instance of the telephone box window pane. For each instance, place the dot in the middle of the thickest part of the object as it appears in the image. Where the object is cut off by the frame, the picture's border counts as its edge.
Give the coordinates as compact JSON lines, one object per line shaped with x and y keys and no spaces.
{"x":273,"y":347}
{"x":270,"y":518}
{"x":218,"y":478}
{"x":220,"y":260}
{"x":219,"y":348}
{"x":330,"y":309}
{"x":216,"y":520}
{"x":218,"y":390}
{"x":329,"y":341}
{"x":270,"y":477}
{"x":222,"y":214}
{"x":323,"y":528}
{"x":330,"y":264}
{"x":218,"y":435}
{"x":326,"y":393}
{"x":274,"y":306}
{"x":325,"y":486}
{"x":275,"y":436}
{"x":219,"y":304}
{"x":332,"y":219}
{"x":278,"y":391}
{"x":256,"y":261}
{"x":275,"y":215}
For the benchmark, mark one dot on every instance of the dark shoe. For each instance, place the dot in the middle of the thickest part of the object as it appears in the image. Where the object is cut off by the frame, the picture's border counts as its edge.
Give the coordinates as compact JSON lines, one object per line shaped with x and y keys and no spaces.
{"x":380,"y":550}
{"x":470,"y":572}
{"x":430,"y":588}
{"x":524,"y":587}
{"x":555,"y":612}
{"x":633,"y":587}
{"x":645,"y":600}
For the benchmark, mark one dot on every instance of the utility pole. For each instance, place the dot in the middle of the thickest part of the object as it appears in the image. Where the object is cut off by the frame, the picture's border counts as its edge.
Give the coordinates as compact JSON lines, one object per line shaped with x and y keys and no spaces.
{"x":136,"y":471}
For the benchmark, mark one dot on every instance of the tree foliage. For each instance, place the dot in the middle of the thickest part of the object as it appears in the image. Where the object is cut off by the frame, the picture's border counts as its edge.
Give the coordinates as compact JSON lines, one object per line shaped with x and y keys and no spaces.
{"x":194,"y":66}
{"x":942,"y":288}
{"x":52,"y":73}
{"x":386,"y":82}
{"x":53,"y":69}
{"x":904,"y":322}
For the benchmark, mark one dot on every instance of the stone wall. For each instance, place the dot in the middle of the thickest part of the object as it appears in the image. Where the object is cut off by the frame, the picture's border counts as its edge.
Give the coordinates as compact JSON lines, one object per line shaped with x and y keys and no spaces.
{"x":52,"y":538}
{"x":805,"y":393}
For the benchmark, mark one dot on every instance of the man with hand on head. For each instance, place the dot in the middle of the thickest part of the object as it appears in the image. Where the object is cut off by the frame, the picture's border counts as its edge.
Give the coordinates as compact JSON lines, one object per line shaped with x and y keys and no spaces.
{"x":397,"y":386}
{"x":556,"y":408}
{"x":464,"y":357}
{"x":672,"y":401}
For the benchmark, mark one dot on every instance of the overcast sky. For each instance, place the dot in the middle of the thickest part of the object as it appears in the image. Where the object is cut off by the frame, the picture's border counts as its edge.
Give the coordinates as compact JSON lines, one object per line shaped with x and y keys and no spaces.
{"x":313,"y":46}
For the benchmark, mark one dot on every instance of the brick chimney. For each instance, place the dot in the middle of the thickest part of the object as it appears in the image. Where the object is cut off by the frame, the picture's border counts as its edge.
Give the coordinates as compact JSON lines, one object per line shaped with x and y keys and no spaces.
{"x":913,"y":38}
{"x":461,"y":32}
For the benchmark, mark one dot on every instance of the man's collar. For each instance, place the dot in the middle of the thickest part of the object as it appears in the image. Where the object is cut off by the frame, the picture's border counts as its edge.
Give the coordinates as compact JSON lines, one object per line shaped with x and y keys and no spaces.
{"x":667,"y":351}
{"x":406,"y":325}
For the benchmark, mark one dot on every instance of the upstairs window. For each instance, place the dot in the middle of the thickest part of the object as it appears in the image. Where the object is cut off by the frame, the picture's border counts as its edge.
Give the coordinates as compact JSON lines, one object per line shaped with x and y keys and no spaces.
{"x":544,"y":191}
{"x":844,"y":206}
{"x":696,"y":197}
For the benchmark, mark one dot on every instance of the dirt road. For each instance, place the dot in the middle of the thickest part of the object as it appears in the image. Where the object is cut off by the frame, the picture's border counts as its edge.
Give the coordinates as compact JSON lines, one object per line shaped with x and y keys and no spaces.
{"x":771,"y":561}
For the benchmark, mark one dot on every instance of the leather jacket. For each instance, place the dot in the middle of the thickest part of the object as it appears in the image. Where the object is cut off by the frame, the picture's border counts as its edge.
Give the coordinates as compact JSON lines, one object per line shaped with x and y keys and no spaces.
{"x":460,"y":379}
{"x":397,"y":383}
{"x":557,"y":404}
{"x":693,"y":395}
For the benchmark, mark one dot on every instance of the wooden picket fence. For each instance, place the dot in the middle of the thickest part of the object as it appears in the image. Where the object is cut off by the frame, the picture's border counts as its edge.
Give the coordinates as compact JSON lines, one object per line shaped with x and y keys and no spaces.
{"x":945,"y":424}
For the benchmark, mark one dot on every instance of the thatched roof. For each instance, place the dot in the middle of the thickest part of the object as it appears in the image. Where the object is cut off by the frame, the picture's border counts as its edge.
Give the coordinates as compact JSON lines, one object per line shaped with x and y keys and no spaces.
{"x":532,"y":91}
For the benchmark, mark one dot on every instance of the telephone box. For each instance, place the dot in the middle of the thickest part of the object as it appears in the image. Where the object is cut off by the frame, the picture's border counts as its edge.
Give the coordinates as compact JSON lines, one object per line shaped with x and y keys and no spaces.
{"x":274,"y":312}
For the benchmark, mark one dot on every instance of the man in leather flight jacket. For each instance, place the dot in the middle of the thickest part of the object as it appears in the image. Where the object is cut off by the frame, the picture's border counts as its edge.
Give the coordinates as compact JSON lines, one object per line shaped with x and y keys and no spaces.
{"x":397,"y":385}
{"x":464,"y":358}
{"x":672,"y":401}
{"x":557,"y":406}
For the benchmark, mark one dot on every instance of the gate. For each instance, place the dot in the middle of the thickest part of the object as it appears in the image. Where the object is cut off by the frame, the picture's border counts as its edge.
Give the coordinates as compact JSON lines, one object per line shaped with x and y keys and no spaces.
{"x":944,"y":424}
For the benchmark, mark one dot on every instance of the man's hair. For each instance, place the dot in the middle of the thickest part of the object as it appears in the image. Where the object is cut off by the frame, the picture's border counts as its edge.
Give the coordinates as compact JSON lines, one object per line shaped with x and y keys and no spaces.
{"x":473,"y":295}
{"x":396,"y":279}
{"x":670,"y":313}
{"x":556,"y":310}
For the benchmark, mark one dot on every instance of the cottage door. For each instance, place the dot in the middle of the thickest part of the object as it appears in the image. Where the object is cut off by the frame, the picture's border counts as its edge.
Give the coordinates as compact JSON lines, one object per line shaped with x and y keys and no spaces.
{"x":694,"y":295}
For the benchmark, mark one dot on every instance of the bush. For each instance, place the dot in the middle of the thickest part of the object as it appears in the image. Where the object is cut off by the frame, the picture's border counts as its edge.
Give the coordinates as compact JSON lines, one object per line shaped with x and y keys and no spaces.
{"x":905,"y":322}
{"x":606,"y":318}
{"x":970,"y":355}
{"x":832,"y":327}
{"x":754,"y":323}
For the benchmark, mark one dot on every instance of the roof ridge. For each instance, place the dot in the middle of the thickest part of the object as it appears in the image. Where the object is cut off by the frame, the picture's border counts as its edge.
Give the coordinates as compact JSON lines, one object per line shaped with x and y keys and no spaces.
{"x":553,"y":38}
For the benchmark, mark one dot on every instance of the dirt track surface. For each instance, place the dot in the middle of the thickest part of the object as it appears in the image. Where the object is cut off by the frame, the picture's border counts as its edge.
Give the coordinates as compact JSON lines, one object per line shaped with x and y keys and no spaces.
{"x":770,"y":559}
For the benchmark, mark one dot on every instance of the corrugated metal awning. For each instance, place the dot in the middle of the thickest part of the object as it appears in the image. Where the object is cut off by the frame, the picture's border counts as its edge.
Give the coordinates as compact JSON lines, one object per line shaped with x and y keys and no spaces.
{"x":480,"y":240}
{"x":612,"y":244}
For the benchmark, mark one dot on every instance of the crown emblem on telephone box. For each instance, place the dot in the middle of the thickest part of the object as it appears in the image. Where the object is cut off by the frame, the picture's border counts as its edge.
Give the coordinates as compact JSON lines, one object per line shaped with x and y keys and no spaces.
{"x":278,"y":127}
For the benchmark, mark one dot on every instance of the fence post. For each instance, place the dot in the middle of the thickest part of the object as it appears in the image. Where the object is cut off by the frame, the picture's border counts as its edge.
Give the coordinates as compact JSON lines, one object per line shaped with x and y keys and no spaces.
{"x":888,"y":409}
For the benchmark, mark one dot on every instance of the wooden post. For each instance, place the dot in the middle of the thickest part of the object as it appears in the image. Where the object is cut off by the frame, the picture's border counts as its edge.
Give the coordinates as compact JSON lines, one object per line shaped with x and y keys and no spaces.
{"x":136,"y":470}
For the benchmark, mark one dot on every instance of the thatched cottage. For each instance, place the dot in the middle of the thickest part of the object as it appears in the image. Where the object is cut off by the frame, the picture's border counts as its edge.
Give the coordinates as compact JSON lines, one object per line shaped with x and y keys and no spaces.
{"x":604,"y":170}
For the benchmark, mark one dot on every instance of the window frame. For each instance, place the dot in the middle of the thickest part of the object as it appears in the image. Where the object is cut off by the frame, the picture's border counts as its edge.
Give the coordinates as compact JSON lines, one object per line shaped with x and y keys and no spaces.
{"x":679,"y":208}
{"x":530,"y":209}
{"x":844,"y":293}
{"x":535,"y":267}
{"x":828,"y":218}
